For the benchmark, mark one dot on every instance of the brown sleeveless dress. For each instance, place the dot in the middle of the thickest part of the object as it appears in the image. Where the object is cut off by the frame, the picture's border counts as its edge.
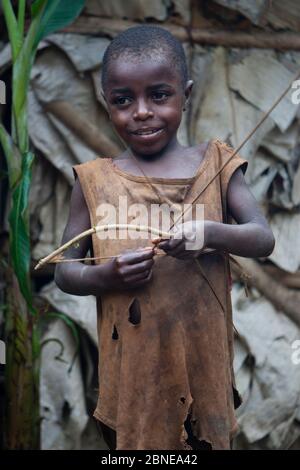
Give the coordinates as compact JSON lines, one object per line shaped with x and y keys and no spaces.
{"x":174,"y":359}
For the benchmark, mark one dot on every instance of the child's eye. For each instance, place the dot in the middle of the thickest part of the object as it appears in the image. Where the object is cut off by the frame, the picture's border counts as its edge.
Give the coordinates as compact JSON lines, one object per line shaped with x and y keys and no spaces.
{"x":160,"y":95}
{"x":122,"y":100}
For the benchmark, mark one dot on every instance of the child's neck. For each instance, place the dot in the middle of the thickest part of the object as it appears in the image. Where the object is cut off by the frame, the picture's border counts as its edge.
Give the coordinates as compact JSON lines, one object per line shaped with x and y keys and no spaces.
{"x":166,"y":155}
{"x":177,"y":162}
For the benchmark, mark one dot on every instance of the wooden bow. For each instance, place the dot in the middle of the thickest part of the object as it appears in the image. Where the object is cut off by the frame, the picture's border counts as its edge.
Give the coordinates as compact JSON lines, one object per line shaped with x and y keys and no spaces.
{"x":55,"y":257}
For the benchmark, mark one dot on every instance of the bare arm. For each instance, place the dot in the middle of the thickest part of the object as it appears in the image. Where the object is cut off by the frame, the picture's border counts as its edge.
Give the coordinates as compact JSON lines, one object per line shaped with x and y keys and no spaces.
{"x":76,"y":277}
{"x":129,"y":270}
{"x":252,"y":236}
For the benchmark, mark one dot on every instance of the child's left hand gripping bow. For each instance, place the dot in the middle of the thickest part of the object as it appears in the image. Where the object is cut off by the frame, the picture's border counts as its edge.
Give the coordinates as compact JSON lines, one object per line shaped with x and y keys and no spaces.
{"x":188,"y":240}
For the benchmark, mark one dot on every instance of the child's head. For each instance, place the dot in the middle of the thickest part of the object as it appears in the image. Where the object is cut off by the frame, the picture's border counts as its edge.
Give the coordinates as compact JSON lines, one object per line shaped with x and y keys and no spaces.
{"x":145,"y":85}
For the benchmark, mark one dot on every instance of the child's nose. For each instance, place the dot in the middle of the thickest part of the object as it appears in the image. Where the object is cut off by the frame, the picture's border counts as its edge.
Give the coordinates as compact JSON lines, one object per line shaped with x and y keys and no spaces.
{"x":142,"y":110}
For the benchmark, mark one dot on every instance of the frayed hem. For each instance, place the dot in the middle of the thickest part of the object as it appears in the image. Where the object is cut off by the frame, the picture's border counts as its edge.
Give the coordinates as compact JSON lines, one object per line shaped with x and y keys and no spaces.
{"x":108,"y":422}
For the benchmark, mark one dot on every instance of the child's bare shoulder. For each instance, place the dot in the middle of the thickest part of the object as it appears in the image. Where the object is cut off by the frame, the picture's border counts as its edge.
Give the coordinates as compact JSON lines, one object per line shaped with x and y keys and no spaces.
{"x":78,"y":221}
{"x":78,"y":202}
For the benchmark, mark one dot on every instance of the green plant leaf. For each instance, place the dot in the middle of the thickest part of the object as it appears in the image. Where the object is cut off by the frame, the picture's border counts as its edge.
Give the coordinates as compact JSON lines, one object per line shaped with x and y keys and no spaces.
{"x":56,"y":15}
{"x":36,"y":7}
{"x":20,"y":81}
{"x":15,"y":38}
{"x":21,"y":17}
{"x":36,"y":347}
{"x":19,"y":231}
{"x":12,"y":155}
{"x":47,"y":17}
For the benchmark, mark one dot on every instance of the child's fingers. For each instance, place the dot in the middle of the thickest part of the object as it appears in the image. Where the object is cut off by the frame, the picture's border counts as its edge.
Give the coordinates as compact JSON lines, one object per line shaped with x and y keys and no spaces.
{"x":177,"y":250}
{"x":137,"y":268}
{"x":135,"y":257}
{"x":170,"y":244}
{"x":139,"y":278}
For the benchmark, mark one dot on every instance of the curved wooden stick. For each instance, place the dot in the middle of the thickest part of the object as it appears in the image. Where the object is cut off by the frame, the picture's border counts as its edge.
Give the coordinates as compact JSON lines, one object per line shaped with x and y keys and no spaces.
{"x":60,"y":259}
{"x":95,"y":229}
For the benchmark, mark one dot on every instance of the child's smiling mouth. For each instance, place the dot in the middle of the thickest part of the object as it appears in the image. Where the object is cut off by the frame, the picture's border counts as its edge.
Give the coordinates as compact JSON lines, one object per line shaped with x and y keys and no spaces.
{"x":147,"y":133}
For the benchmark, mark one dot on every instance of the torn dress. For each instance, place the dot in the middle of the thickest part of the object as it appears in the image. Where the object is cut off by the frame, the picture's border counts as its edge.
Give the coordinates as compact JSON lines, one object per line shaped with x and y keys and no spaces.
{"x":166,"y":349}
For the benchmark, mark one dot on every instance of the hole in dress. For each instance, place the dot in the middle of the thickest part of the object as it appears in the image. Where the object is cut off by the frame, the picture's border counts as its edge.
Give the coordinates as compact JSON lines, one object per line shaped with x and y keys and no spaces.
{"x":182,"y":399}
{"x":202,"y":445}
{"x":135,"y":312}
{"x":115,"y":333}
{"x":196,"y":444}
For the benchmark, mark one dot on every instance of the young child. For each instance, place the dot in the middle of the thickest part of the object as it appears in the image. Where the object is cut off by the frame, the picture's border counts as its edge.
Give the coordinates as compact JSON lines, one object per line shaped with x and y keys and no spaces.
{"x":165,"y":328}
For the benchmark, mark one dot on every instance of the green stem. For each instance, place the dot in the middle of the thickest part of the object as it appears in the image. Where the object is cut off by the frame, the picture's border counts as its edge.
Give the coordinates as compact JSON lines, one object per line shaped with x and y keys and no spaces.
{"x":21,"y":77}
{"x":21,"y":17}
{"x":12,"y":28}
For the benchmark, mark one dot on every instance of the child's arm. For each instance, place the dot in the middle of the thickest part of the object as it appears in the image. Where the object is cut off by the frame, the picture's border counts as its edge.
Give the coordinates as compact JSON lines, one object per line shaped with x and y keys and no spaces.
{"x":129,"y":270}
{"x":74,"y":278}
{"x":252,"y":237}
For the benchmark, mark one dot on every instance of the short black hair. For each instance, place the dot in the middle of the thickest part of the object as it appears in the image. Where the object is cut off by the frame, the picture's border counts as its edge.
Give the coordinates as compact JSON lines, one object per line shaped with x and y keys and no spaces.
{"x":142,"y":41}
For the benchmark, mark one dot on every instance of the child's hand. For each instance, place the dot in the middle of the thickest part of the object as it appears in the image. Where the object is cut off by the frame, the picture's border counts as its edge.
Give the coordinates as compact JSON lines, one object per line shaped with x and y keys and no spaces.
{"x":189,"y":240}
{"x":130,"y":269}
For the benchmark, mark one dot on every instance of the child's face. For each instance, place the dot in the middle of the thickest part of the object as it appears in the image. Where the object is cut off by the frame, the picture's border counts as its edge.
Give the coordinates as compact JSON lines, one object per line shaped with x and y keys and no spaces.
{"x":145,"y":100}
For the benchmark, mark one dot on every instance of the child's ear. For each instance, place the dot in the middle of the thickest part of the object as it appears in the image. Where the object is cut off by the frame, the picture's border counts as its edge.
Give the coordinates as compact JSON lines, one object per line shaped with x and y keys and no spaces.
{"x":103,"y":95}
{"x":188,"y":88}
{"x":188,"y":91}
